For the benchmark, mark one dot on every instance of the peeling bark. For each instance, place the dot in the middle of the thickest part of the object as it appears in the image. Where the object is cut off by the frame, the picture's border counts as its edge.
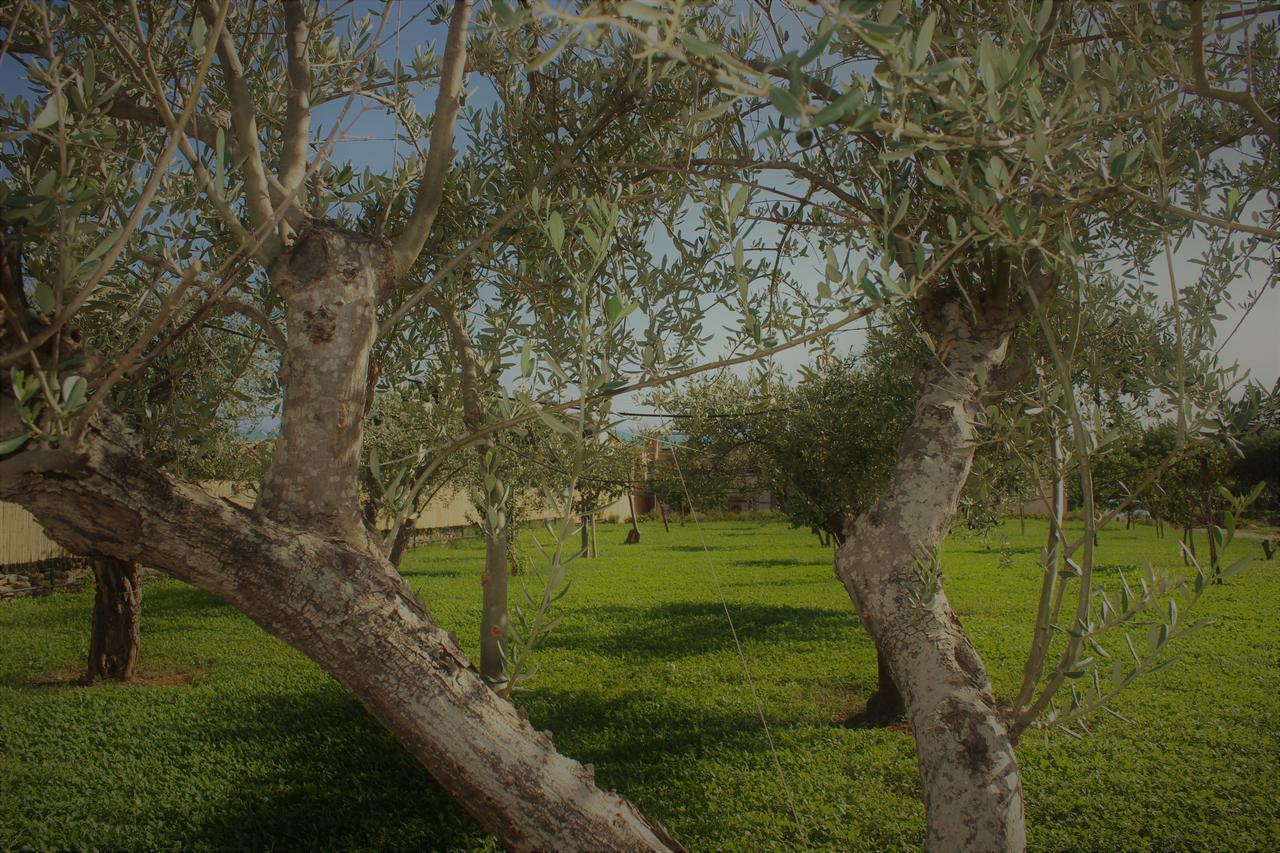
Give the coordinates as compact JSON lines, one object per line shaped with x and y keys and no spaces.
{"x":969,"y":775}
{"x":117,"y":611}
{"x":348,"y":611}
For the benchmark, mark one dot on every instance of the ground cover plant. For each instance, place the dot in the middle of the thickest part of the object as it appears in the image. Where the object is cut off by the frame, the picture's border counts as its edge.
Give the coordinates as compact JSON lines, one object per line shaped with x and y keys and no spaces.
{"x":234,"y":740}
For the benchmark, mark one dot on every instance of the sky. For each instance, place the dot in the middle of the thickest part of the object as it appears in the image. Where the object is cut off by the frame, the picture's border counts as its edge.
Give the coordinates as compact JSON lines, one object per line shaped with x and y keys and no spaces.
{"x":370,"y":141}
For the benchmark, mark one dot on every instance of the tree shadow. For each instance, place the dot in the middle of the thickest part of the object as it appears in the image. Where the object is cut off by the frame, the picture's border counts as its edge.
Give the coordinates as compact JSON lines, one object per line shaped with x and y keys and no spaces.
{"x":681,"y":629}
{"x":426,"y":572}
{"x":637,"y":731}
{"x":774,"y":563}
{"x":776,"y":582}
{"x":350,"y":785}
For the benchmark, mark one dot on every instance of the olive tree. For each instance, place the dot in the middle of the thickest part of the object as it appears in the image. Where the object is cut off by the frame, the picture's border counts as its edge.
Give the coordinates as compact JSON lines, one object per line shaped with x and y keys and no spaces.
{"x":981,"y":163}
{"x":189,"y":134}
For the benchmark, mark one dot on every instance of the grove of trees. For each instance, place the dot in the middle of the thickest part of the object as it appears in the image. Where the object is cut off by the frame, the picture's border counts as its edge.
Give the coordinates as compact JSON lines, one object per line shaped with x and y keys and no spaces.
{"x":188,"y":245}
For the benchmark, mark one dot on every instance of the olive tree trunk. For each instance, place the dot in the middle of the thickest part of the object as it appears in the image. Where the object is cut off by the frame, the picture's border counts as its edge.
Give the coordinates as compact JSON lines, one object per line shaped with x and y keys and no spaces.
{"x":969,"y":775}
{"x":117,"y":611}
{"x":304,"y":566}
{"x":494,"y":622}
{"x":885,"y":705}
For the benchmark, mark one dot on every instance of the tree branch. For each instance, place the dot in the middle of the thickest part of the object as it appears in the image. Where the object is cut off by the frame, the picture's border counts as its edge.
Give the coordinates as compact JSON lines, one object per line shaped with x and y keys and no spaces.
{"x":1206,"y":219}
{"x":468,"y":378}
{"x":297,"y":119}
{"x":426,"y":204}
{"x":257,"y":193}
{"x":140,"y":207}
{"x":1205,"y":89}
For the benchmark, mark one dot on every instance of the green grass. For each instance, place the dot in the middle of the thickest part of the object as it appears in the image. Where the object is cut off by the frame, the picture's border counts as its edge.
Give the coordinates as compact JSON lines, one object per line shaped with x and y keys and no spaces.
{"x":262,"y":750}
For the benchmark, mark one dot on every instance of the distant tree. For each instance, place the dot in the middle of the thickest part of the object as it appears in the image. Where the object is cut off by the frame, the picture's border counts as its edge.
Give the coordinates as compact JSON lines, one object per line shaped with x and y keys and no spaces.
{"x":707,"y":451}
{"x":609,"y":473}
{"x":1259,"y":463}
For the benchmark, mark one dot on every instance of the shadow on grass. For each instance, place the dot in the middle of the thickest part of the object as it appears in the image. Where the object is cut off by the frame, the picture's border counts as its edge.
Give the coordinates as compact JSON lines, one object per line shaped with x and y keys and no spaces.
{"x":776,"y":582}
{"x":429,"y":572}
{"x":349,"y":784}
{"x":681,"y":629}
{"x":640,"y":731}
{"x":774,"y":563}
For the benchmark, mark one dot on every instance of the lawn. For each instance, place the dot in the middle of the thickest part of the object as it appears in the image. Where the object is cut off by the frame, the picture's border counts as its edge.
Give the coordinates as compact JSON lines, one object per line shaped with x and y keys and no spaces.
{"x":241,"y":742}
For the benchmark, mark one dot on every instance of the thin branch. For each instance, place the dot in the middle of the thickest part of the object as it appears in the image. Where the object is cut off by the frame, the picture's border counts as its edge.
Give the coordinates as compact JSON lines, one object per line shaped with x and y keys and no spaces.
{"x":1204,"y":218}
{"x":297,"y":119}
{"x":426,"y":204}
{"x":1205,"y":89}
{"x":619,"y":101}
{"x":257,"y":193}
{"x":229,"y":305}
{"x":171,"y":304}
{"x":140,"y":207}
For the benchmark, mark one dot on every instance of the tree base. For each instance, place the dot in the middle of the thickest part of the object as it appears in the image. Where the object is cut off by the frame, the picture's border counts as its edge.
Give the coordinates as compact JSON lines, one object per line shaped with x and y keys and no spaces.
{"x":883,"y":710}
{"x":117,"y":608}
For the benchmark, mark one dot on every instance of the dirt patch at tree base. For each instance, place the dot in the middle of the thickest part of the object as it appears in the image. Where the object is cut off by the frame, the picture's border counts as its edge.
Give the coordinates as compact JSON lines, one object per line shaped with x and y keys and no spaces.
{"x":867,"y":718}
{"x":146,"y":678}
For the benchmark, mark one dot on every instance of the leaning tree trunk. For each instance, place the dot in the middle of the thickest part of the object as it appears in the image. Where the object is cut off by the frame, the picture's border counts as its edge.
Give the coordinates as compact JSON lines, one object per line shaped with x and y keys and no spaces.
{"x":304,"y":566}
{"x":117,"y":611}
{"x":969,"y":775}
{"x":349,"y":612}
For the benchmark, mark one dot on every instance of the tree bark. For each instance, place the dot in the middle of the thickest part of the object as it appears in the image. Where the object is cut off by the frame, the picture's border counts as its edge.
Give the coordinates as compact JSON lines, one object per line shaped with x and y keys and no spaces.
{"x":886,"y":704}
{"x":332,"y":282}
{"x":401,"y":544}
{"x":347,"y":610}
{"x":969,"y":774}
{"x":633,"y":538}
{"x":117,"y":611}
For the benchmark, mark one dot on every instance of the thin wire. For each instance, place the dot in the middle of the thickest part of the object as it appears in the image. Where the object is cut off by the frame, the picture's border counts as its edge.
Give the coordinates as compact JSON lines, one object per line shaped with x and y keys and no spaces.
{"x":742,"y":655}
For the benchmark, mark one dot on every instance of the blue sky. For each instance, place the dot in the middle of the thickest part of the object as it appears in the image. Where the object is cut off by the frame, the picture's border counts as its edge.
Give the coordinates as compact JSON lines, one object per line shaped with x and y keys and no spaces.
{"x":370,"y":142}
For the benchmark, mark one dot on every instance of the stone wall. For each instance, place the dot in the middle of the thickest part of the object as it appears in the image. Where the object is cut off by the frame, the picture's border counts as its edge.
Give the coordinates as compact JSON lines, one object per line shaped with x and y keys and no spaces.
{"x":41,"y":577}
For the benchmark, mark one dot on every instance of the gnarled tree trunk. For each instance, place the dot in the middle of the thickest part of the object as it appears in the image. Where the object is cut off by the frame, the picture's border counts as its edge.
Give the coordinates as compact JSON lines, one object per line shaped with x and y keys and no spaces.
{"x":969,"y":775}
{"x":348,"y":611}
{"x":332,"y":282}
{"x":117,"y":611}
{"x":305,"y":567}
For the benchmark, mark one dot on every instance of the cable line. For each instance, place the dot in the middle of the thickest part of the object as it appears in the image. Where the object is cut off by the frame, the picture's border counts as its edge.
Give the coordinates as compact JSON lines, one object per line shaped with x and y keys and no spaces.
{"x":742,"y":655}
